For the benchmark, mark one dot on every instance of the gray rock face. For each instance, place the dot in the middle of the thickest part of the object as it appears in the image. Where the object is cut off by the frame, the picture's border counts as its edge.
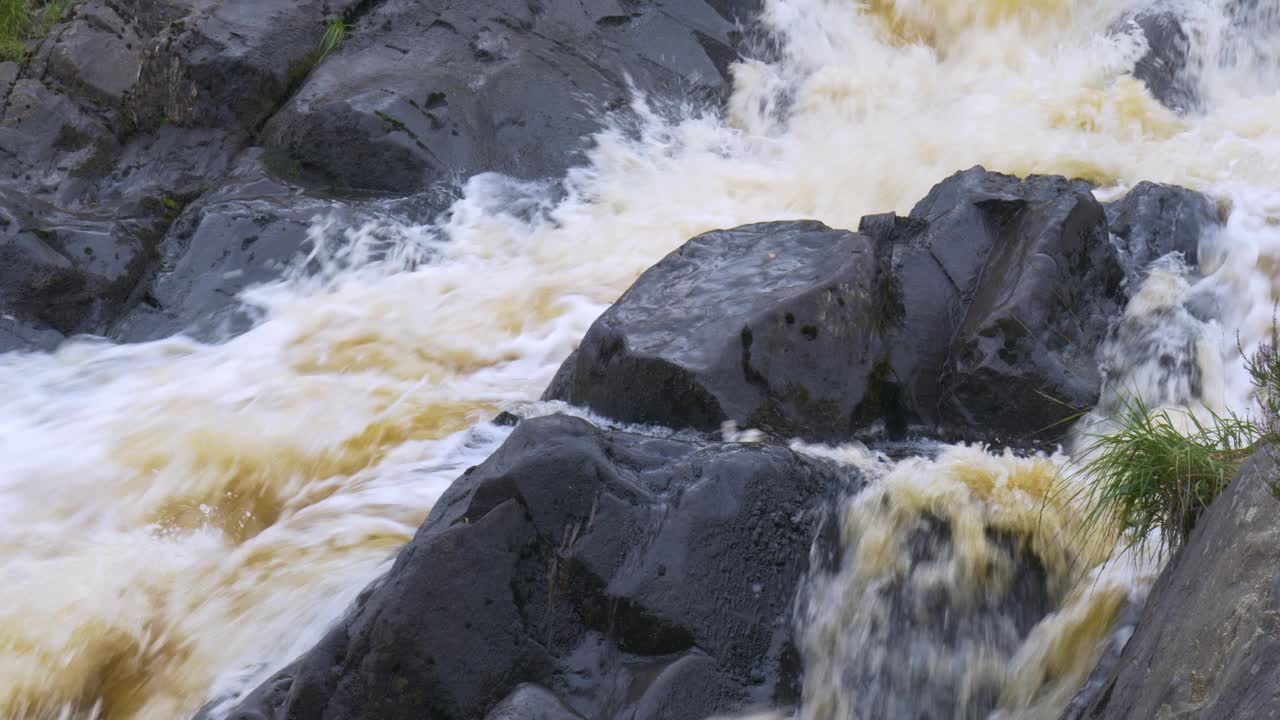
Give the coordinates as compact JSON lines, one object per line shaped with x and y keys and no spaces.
{"x":427,"y":91}
{"x":239,"y":236}
{"x":770,"y":325}
{"x":1207,"y":644}
{"x":130,"y":108}
{"x":979,"y":314}
{"x":1029,"y":284}
{"x":99,"y":53}
{"x":631,"y":576}
{"x":63,"y":273}
{"x":1152,"y":220}
{"x":230,"y":64}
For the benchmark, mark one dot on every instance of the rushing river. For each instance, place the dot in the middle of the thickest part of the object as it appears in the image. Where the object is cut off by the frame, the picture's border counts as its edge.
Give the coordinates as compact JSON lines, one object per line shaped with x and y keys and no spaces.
{"x":178,"y":518}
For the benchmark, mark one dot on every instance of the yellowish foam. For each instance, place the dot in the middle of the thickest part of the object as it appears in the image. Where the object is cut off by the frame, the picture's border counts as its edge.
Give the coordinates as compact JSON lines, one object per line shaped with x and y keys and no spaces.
{"x":178,"y":518}
{"x":975,"y":493}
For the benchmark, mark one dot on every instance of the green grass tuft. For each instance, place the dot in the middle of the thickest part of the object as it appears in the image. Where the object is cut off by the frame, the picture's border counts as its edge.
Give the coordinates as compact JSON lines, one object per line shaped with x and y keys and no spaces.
{"x":24,"y":20}
{"x":333,"y":37}
{"x":1152,"y":473}
{"x":1148,"y":472}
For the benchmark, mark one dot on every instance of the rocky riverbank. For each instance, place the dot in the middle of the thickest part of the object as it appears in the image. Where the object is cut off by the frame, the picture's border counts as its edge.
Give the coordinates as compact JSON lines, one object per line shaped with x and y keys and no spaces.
{"x":583,"y":572}
{"x":670,"y":542}
{"x":161,"y":156}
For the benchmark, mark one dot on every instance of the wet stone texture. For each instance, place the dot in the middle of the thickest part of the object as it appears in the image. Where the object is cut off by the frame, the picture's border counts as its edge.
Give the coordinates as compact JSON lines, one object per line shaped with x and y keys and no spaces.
{"x":1207,"y":644}
{"x":130,"y":111}
{"x":623,"y":575}
{"x":977,"y":316}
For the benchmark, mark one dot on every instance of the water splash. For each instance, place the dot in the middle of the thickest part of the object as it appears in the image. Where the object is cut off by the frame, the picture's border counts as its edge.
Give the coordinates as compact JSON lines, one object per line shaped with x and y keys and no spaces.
{"x":180,"y":517}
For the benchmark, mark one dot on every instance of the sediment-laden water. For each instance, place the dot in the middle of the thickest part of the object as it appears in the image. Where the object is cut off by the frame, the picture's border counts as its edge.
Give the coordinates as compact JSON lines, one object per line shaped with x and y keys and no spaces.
{"x":178,"y":518}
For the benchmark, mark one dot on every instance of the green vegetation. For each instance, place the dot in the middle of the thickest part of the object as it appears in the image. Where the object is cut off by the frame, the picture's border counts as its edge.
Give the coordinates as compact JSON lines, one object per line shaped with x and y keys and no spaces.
{"x":24,"y":20}
{"x":300,"y":68}
{"x":1158,"y":470}
{"x":333,"y":37}
{"x":1148,"y":474}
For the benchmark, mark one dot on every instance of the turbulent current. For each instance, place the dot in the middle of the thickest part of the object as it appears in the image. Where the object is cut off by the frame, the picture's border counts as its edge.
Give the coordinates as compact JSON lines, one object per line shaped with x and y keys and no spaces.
{"x":178,"y":518}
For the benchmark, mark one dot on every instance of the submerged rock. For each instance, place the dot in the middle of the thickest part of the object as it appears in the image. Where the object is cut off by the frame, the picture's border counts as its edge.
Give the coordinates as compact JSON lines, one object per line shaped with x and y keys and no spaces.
{"x":906,"y":627}
{"x":1207,"y":644}
{"x":773,"y":326}
{"x":629,"y":576}
{"x":1167,"y":68}
{"x":1153,"y":220}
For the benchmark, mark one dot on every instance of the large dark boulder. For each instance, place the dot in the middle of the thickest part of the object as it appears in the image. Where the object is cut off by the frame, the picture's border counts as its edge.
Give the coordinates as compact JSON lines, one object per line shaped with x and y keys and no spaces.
{"x":1001,"y":292}
{"x":1016,"y":281}
{"x":1207,"y":644}
{"x":978,"y":316}
{"x":629,"y":576}
{"x":773,"y":326}
{"x":429,"y":91}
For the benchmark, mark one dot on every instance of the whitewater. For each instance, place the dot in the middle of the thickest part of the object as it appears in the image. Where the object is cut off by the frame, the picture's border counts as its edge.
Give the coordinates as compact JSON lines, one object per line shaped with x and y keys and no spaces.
{"x":181,"y":517}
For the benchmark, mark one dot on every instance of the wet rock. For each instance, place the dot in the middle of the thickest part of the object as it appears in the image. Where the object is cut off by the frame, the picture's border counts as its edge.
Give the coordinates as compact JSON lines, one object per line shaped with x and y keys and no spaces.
{"x":506,"y":419}
{"x":1153,"y":219}
{"x":98,"y":52}
{"x":19,"y":334}
{"x":773,"y":326}
{"x":1208,"y":641}
{"x":1167,"y":67}
{"x":241,"y":235}
{"x":1002,"y":291}
{"x":927,"y":635}
{"x":630,"y":576}
{"x":64,"y":273}
{"x":978,"y":316}
{"x":426,"y":92}
{"x":532,"y":702}
{"x":230,"y":64}
{"x":1108,"y":664}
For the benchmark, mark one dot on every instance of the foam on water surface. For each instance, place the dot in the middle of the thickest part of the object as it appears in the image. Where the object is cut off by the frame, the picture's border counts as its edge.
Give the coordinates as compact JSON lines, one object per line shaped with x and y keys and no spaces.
{"x":179,"y":518}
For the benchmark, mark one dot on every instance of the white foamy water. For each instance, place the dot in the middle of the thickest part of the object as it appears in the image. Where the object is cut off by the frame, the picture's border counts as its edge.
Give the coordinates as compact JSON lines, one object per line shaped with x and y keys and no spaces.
{"x":178,"y":518}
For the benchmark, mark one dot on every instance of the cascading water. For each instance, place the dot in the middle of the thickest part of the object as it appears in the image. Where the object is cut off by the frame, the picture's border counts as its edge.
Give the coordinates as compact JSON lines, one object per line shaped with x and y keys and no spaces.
{"x":179,"y":518}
